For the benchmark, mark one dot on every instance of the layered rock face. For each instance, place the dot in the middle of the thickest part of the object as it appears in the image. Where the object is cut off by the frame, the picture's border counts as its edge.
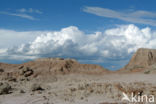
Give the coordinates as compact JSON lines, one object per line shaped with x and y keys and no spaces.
{"x":143,"y":58}
{"x":143,"y":61}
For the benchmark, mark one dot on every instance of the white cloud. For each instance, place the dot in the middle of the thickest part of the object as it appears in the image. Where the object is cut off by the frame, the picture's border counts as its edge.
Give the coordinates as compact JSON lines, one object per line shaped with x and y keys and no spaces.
{"x":22,"y":10}
{"x":116,"y":42}
{"x":29,"y":10}
{"x":10,"y":38}
{"x":23,"y":13}
{"x":140,"y":16}
{"x":112,"y":44}
{"x":3,"y":51}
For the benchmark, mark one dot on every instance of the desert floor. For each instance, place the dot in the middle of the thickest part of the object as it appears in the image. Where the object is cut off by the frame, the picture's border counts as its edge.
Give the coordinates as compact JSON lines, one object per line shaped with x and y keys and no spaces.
{"x":80,"y":89}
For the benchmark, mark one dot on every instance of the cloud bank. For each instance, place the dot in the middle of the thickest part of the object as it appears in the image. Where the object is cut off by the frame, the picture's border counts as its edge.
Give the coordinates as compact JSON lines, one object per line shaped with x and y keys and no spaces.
{"x":140,"y":16}
{"x":114,"y":44}
{"x":10,"y":38}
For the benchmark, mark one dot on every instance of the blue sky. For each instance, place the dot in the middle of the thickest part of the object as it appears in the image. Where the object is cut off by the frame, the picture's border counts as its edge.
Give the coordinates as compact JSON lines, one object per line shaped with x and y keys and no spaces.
{"x":34,"y":23}
{"x":60,"y":13}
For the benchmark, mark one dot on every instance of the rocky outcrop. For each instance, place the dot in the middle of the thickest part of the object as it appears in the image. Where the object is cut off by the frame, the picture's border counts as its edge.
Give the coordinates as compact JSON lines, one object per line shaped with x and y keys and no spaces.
{"x":46,"y":67}
{"x":25,"y":71}
{"x":5,"y":88}
{"x":63,"y":66}
{"x":142,"y":59}
{"x":36,"y":87}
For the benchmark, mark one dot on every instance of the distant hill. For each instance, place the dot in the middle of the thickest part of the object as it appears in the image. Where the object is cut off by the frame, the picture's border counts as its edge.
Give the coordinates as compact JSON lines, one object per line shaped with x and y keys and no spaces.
{"x":49,"y":66}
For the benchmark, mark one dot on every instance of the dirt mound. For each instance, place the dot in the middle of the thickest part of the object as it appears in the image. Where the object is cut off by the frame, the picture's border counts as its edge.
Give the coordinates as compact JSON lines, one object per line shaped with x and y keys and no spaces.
{"x":142,"y":59}
{"x":63,"y":66}
{"x":48,"y":66}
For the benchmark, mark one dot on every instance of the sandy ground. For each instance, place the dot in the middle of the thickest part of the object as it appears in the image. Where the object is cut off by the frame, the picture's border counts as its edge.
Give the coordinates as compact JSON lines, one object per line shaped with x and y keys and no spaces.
{"x":81,"y":89}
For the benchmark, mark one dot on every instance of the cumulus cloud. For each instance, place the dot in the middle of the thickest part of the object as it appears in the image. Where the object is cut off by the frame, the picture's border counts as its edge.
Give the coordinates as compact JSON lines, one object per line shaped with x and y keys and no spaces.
{"x":10,"y":38}
{"x":140,"y":16}
{"x":112,"y":44}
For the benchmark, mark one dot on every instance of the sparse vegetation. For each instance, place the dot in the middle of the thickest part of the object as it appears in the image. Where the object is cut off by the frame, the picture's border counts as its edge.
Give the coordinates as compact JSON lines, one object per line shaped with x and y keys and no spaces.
{"x":147,"y":72}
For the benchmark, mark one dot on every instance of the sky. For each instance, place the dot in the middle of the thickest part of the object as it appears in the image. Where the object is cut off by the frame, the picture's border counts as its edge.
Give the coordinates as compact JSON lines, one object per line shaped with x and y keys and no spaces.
{"x":104,"y":32}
